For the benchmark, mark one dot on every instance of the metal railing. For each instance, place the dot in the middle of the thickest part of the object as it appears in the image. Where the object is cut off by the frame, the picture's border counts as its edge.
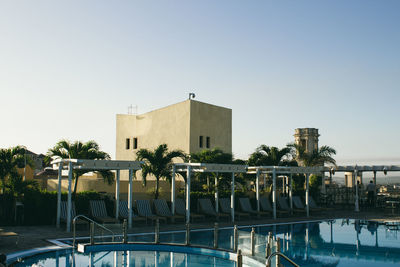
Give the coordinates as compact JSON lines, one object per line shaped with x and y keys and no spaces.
{"x":92,"y":224}
{"x":251,"y":247}
{"x":280,"y":254}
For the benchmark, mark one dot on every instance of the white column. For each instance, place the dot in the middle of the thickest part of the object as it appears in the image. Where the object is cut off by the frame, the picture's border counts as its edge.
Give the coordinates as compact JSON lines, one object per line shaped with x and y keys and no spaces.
{"x":258,"y":190}
{"x":274,"y":192}
{"x":291,"y":192}
{"x":216,"y":193}
{"x":69,"y":203}
{"x":307,"y":192}
{"x":117,"y":195}
{"x":130,"y":203}
{"x":189,"y":173}
{"x":59,"y":194}
{"x":356,"y":208}
{"x":116,"y":262}
{"x":173,"y":189}
{"x":233,"y":197}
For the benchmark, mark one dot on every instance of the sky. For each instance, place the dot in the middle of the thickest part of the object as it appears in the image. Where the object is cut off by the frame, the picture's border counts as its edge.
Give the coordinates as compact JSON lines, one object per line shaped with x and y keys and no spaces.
{"x":68,"y":67}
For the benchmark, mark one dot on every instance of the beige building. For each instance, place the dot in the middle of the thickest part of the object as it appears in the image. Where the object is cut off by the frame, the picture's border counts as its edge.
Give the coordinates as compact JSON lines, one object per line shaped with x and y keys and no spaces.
{"x":189,"y":125}
{"x":307,"y":138}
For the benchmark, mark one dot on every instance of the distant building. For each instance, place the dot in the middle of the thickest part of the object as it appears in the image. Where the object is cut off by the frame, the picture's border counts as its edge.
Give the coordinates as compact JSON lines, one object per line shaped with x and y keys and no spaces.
{"x":190,"y":126}
{"x":307,"y":138}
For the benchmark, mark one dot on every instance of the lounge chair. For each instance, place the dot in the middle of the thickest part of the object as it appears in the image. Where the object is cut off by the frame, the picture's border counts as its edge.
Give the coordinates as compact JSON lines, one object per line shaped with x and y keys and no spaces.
{"x":144,"y":210}
{"x":180,"y":209}
{"x":265,"y":205}
{"x":207,"y":208}
{"x":245,"y":206}
{"x":225,"y":205}
{"x":163,"y":210}
{"x":124,"y":212}
{"x":63,"y":213}
{"x":99,"y":212}
{"x":283,"y":205}
{"x":298,"y":204}
{"x":313,"y":205}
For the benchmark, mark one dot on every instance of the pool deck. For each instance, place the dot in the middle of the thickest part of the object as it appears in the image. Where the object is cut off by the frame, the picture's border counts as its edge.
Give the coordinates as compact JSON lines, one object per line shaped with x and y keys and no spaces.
{"x":29,"y":237}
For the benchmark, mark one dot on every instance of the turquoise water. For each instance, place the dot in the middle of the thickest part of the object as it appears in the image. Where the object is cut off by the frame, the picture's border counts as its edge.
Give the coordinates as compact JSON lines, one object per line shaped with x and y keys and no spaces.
{"x":340,"y":242}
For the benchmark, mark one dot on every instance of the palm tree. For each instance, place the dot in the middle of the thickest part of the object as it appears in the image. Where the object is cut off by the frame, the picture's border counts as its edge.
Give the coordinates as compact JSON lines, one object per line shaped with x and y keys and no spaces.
{"x":158,"y":163}
{"x":10,"y":160}
{"x":78,"y":150}
{"x":18,"y":186}
{"x":270,"y":156}
{"x":317,"y":157}
{"x":215,"y":155}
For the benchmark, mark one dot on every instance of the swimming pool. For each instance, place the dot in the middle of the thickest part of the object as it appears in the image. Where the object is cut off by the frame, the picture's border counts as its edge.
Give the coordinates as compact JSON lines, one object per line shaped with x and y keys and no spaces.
{"x":341,"y":242}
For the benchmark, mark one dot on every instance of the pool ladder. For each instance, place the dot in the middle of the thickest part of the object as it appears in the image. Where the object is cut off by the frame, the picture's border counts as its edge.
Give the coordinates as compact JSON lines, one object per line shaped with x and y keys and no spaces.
{"x":92,"y":224}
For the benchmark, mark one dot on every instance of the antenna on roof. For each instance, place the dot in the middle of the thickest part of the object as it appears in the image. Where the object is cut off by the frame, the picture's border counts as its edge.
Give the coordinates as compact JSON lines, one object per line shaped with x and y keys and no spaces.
{"x":191,"y":96}
{"x":132,"y":110}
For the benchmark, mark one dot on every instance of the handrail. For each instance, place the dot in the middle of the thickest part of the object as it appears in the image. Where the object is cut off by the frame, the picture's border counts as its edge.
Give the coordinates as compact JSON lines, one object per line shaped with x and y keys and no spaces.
{"x":90,"y":220}
{"x":283,"y":256}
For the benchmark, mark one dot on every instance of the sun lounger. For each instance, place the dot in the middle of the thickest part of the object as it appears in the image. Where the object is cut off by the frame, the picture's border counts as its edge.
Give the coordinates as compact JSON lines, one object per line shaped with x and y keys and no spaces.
{"x":207,"y":208}
{"x":124,"y":212}
{"x":225,"y":205}
{"x":144,"y":210}
{"x":163,"y":210}
{"x":63,"y":213}
{"x":245,"y":206}
{"x":180,"y":209}
{"x":99,"y":212}
{"x":283,"y":205}
{"x":265,"y":205}
{"x":313,"y":205}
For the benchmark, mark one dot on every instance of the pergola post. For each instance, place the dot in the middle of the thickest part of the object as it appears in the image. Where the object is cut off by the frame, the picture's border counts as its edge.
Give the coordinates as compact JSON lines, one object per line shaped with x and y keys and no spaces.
{"x":356,"y":206}
{"x":233,"y":197}
{"x":216,"y":192}
{"x":59,"y":194}
{"x":258,"y":190}
{"x":307,"y":193}
{"x":117,"y":194}
{"x":130,"y":204}
{"x":189,"y":170}
{"x":290,"y":191}
{"x":69,"y":203}
{"x":274,"y":192}
{"x":173,"y":190}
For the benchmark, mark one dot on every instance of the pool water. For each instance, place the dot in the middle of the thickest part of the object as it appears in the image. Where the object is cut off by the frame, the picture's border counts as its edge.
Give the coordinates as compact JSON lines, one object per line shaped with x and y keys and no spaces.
{"x":340,"y":242}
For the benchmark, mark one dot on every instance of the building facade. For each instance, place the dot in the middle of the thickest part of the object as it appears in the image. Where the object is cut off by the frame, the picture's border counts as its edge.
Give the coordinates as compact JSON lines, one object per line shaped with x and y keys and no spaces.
{"x":190,"y":126}
{"x":307,"y":138}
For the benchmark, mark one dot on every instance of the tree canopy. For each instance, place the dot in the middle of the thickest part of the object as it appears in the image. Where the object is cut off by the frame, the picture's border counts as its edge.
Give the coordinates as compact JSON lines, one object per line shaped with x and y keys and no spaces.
{"x":78,"y":150}
{"x":158,"y":162}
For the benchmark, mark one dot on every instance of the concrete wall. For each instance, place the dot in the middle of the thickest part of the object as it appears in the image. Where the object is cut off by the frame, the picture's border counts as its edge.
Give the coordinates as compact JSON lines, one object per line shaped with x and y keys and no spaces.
{"x":210,"y":121}
{"x":97,"y":184}
{"x":179,"y":126}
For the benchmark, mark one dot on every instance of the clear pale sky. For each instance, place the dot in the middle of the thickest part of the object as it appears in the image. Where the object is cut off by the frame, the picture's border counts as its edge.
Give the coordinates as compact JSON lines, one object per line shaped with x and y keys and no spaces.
{"x":68,"y":67}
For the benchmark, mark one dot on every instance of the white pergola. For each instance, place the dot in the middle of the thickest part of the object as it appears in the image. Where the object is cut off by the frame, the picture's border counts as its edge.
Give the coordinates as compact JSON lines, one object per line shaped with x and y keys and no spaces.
{"x":205,"y":167}
{"x":283,"y":170}
{"x":359,"y":169}
{"x":94,"y":165}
